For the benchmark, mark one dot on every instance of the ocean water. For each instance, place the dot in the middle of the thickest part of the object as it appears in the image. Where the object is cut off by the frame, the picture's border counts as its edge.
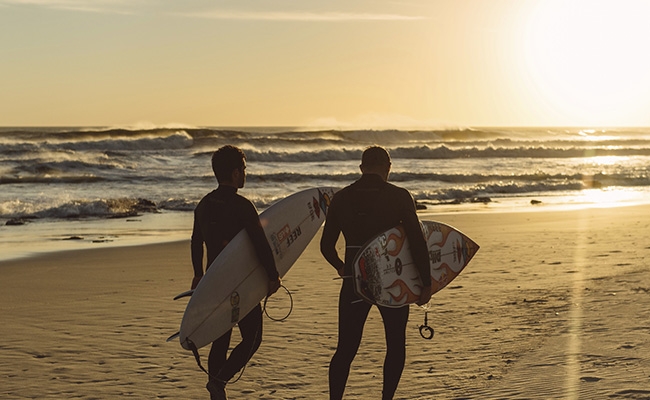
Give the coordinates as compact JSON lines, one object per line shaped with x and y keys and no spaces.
{"x":66,"y":188}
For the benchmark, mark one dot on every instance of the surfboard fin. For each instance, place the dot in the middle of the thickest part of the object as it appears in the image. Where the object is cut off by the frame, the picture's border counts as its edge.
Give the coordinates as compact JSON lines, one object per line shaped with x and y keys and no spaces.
{"x":174,"y":336}
{"x":184,"y":294}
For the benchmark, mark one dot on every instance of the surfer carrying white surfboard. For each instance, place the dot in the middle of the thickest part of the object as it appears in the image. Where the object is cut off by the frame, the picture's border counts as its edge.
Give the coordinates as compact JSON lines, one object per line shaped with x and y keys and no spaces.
{"x":360,"y":211}
{"x":218,"y":217}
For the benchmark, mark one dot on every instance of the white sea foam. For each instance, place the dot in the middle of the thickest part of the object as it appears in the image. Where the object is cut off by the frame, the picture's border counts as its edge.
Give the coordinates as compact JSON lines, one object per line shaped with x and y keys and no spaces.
{"x":51,"y":175}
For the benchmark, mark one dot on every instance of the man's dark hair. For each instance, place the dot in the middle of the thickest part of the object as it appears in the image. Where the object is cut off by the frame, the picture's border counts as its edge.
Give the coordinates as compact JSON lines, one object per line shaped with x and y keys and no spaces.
{"x":225,"y":160}
{"x":375,"y":156}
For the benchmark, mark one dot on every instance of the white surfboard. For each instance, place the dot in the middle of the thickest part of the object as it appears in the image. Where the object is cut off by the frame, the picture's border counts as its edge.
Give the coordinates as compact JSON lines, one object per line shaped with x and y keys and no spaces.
{"x":384,"y":271}
{"x":236,"y":281}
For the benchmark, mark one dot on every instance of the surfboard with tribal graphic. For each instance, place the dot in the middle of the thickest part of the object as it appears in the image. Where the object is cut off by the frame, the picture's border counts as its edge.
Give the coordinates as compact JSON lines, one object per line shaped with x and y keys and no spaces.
{"x":384,"y":271}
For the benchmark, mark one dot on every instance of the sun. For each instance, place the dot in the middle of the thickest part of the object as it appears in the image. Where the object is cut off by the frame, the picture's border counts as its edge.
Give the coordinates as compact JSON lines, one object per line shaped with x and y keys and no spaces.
{"x":589,"y":59}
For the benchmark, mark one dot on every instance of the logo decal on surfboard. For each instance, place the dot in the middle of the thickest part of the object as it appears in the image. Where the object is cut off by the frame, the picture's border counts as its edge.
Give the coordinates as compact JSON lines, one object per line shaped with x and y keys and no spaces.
{"x":234,"y":302}
{"x":284,"y":233}
{"x":319,"y":206}
{"x":287,"y":236}
{"x":398,"y":267}
{"x":316,"y":207}
{"x":324,"y":200}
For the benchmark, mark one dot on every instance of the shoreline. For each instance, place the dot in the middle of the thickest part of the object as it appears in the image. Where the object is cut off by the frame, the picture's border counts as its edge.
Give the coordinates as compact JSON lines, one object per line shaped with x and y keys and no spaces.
{"x":558,"y":296}
{"x":41,"y":238}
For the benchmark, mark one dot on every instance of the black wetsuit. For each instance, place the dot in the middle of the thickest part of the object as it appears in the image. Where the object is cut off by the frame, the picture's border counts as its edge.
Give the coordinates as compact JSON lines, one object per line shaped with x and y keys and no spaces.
{"x":360,"y":211}
{"x":218,"y":217}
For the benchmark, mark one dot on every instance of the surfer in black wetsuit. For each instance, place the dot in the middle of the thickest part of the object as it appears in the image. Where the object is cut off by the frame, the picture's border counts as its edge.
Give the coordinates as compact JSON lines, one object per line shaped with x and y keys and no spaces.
{"x":218,"y":217}
{"x":360,"y":211}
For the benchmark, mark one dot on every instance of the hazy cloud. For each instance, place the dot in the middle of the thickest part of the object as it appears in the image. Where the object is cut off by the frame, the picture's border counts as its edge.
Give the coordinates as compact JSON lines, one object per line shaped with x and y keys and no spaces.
{"x":299,"y":16}
{"x":376,"y":121}
{"x":129,"y":6}
{"x":99,"y":6}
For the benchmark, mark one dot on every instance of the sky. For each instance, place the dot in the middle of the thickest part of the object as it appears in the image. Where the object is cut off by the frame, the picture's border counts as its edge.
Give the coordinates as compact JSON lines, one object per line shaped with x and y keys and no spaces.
{"x":338,"y":64}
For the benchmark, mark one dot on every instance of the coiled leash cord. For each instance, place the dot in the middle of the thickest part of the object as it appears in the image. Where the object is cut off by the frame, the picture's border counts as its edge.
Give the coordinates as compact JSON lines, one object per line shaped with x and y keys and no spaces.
{"x":425,"y":330}
{"x":266,"y":299}
{"x":195,"y":351}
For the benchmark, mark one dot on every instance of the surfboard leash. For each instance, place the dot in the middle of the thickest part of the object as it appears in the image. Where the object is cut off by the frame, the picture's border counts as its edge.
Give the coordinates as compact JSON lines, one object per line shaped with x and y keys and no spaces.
{"x":425,"y":330}
{"x":197,"y":356}
{"x":290,"y":306}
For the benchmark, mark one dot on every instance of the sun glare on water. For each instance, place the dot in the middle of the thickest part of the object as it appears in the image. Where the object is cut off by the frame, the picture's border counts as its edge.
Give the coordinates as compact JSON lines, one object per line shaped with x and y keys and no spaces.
{"x":588,"y":58}
{"x":609,"y":196}
{"x":606,"y":198}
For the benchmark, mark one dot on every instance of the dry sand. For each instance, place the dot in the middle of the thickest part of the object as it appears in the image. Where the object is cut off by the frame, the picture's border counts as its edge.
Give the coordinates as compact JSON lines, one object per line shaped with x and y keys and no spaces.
{"x":555,"y":305}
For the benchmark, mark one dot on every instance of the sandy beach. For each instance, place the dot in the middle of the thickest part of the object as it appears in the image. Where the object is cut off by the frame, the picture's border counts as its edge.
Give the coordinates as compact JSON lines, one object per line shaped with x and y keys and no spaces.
{"x":555,"y":305}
